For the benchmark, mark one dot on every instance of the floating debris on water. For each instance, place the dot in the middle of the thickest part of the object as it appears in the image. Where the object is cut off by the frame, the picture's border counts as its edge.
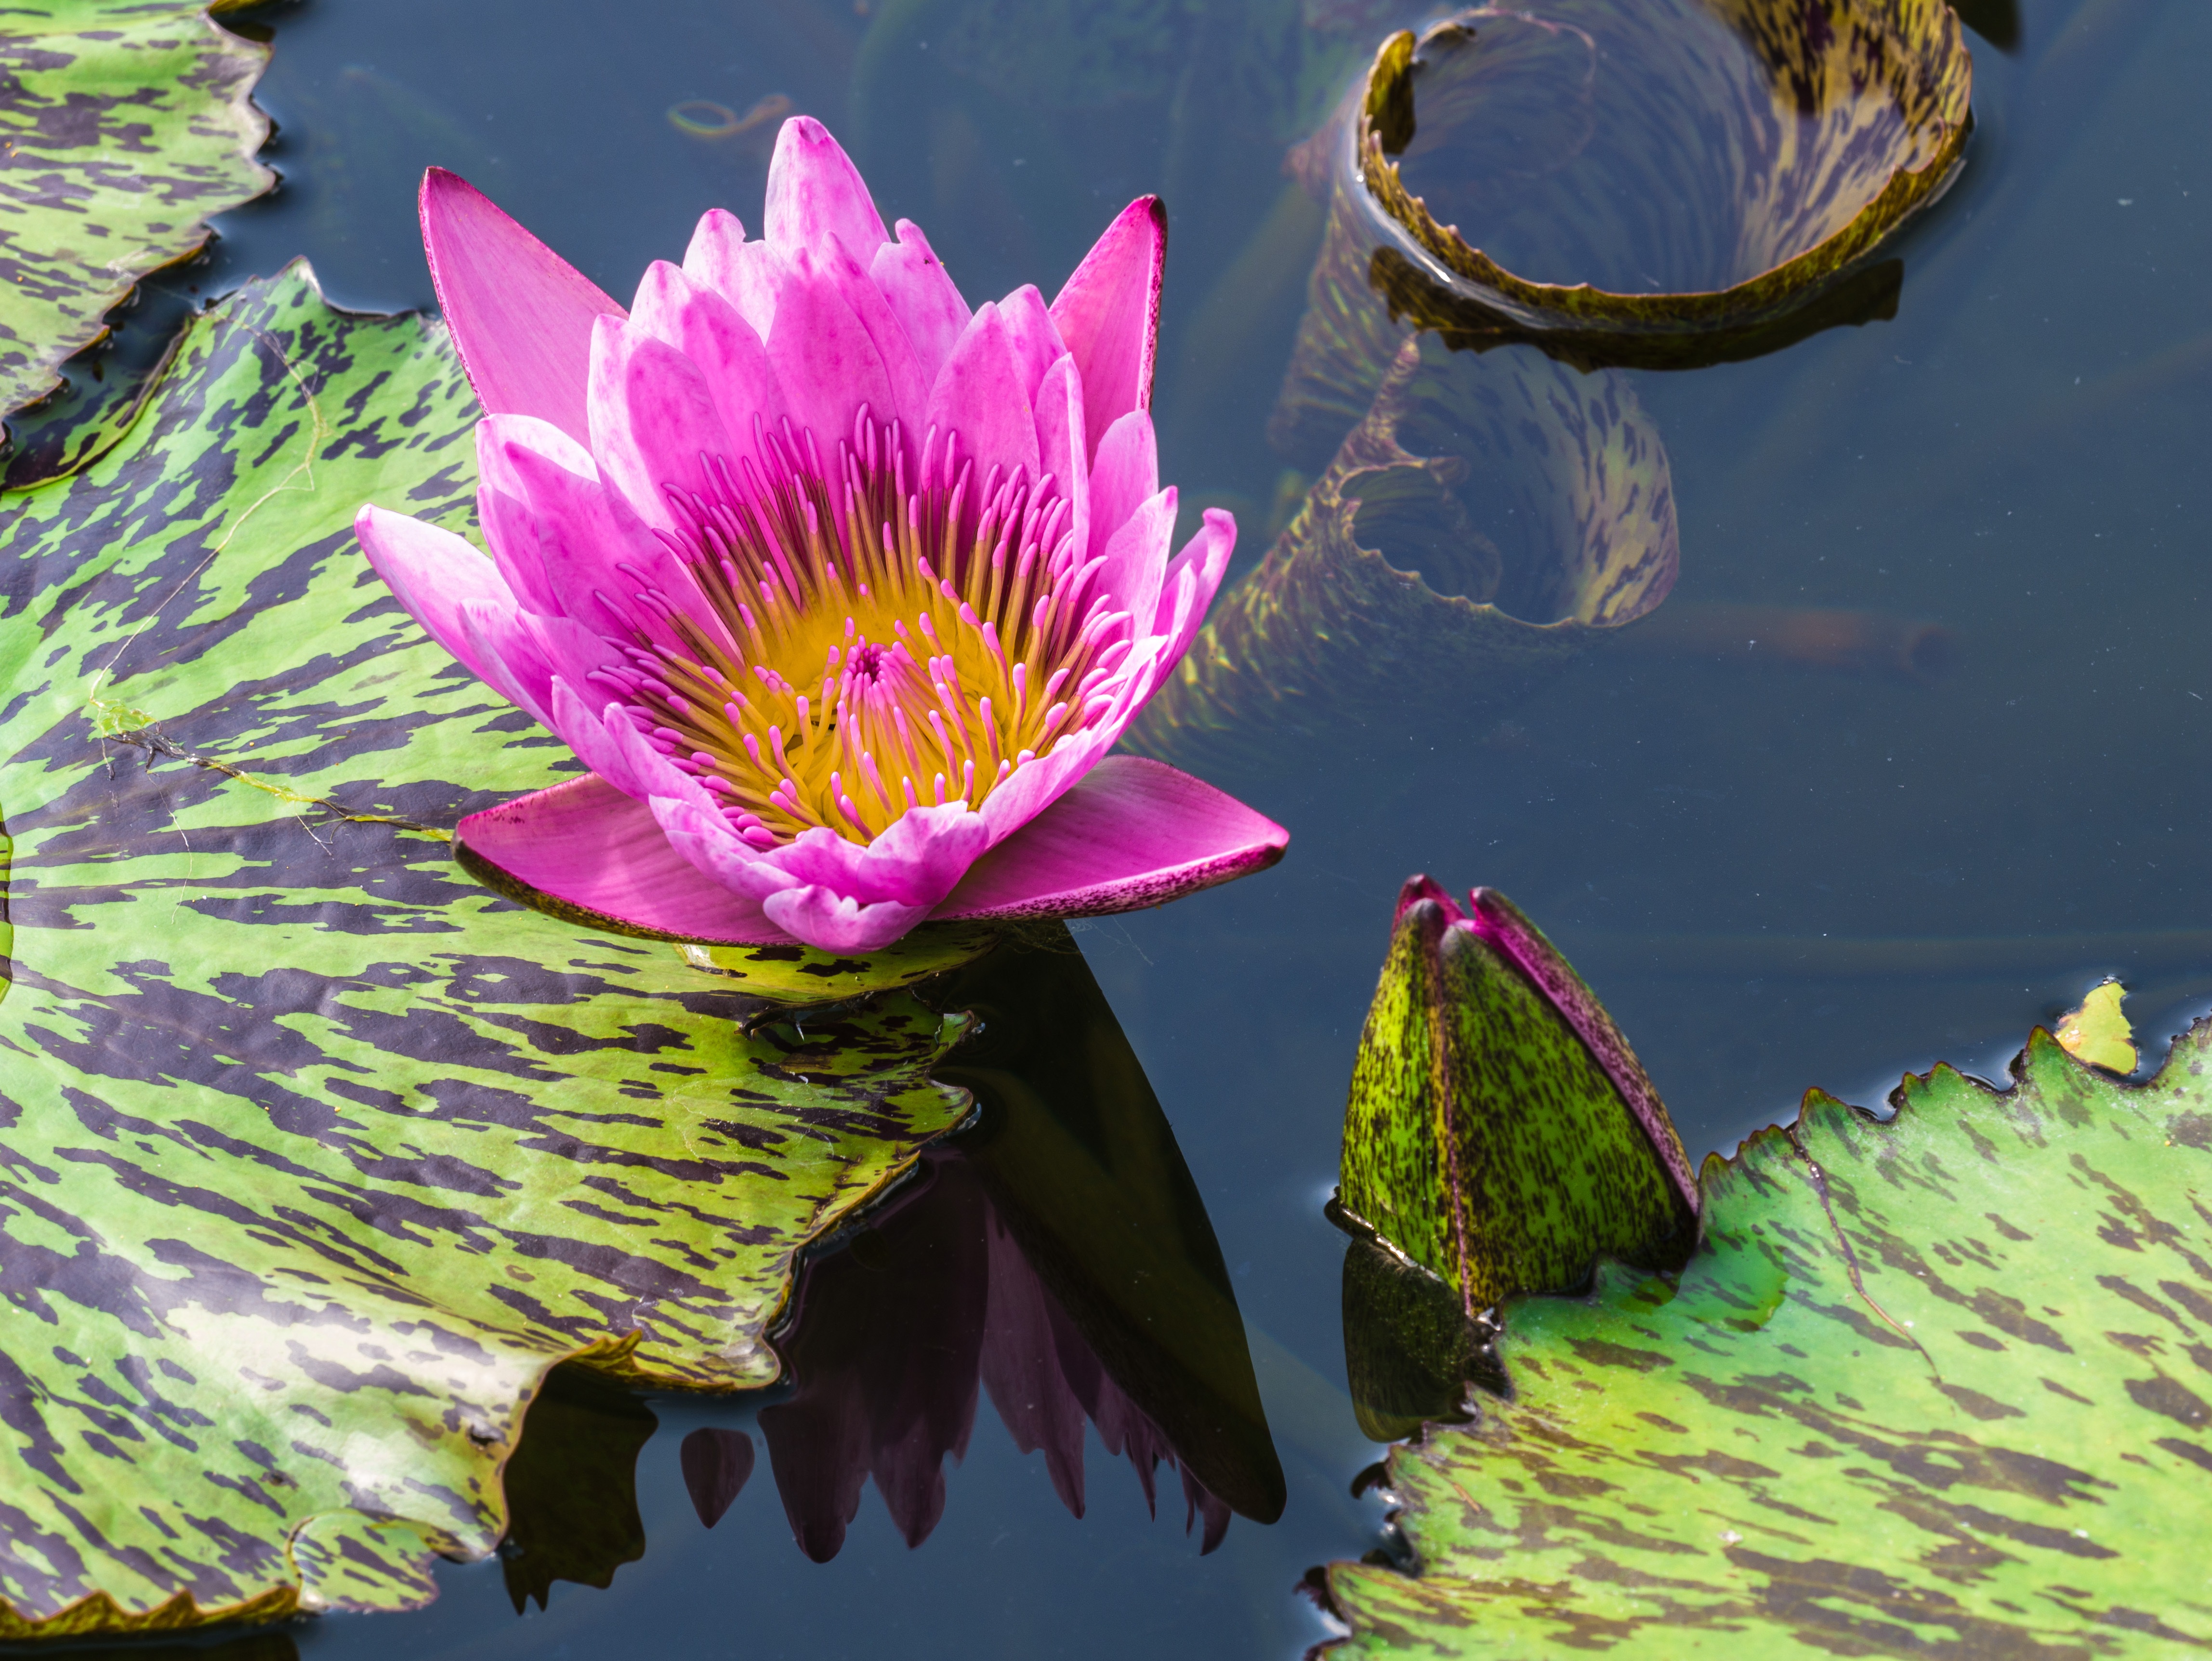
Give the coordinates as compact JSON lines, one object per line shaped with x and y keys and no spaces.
{"x":701,"y":117}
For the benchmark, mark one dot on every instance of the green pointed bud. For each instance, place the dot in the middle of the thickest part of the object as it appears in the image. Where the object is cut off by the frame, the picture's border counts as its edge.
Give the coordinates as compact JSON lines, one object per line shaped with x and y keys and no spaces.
{"x":1501,"y":1134}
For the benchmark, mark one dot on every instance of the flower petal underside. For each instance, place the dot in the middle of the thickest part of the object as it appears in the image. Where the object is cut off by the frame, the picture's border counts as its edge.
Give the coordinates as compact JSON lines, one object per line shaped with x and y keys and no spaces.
{"x":1130,"y":833}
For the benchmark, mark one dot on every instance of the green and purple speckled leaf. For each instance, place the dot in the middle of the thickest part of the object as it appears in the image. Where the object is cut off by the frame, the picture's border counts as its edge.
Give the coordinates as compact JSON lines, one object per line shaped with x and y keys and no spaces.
{"x":125,"y":124}
{"x":1933,"y":1387}
{"x":317,"y":1154}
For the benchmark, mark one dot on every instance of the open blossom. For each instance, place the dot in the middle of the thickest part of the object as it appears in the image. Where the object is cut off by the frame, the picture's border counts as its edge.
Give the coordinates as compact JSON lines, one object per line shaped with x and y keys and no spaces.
{"x":841,"y":590}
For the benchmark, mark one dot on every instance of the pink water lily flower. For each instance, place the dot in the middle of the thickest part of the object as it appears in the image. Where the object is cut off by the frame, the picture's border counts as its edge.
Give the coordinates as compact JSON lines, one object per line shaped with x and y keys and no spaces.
{"x":842,"y":591}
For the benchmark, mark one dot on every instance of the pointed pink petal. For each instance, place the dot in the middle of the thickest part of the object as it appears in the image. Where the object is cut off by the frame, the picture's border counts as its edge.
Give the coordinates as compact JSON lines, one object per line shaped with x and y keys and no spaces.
{"x":433,"y":574}
{"x":916,"y":859}
{"x":1033,"y":337}
{"x":1137,"y":559}
{"x":1132,"y":832}
{"x":1110,"y":314}
{"x":814,"y":190}
{"x":921,"y":296}
{"x":1061,"y":450}
{"x":1125,"y":474}
{"x":653,"y":423}
{"x":542,"y":502}
{"x":744,"y":273}
{"x":521,"y":315}
{"x":825,"y":360}
{"x":574,"y":654}
{"x":604,"y":735}
{"x":704,"y":325}
{"x":589,"y":847}
{"x":980,"y":395}
{"x":909,"y":385}
{"x":500,"y":638}
{"x":1192,"y":582}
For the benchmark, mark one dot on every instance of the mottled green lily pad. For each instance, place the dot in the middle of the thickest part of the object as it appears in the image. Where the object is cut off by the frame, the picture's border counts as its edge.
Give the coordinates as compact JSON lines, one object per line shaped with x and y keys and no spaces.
{"x":125,"y":126}
{"x":1936,"y":1386}
{"x":1689,"y":175}
{"x":319,"y":1153}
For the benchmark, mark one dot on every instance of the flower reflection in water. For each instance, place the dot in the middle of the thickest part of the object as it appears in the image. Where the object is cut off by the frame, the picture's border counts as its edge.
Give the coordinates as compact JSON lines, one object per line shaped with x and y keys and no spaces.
{"x":899,"y":1337}
{"x":1058,"y":1257}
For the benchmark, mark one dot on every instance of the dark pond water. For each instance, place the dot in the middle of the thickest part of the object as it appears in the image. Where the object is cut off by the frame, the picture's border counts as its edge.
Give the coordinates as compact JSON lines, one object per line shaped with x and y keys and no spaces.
{"x":1776,"y":875}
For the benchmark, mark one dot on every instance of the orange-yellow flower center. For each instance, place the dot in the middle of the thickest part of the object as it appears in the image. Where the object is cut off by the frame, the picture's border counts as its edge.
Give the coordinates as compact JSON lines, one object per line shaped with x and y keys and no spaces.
{"x":869,"y":642}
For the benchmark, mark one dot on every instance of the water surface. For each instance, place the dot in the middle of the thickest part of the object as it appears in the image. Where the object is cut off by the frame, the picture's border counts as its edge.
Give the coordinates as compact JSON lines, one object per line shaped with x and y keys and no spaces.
{"x":2016,"y":456}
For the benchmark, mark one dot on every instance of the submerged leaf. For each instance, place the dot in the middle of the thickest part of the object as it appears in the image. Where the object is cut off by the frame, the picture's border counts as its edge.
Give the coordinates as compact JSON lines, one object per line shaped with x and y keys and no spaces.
{"x":320,"y":1155}
{"x":126,"y":126}
{"x":1487,"y":520}
{"x":1933,"y":1386}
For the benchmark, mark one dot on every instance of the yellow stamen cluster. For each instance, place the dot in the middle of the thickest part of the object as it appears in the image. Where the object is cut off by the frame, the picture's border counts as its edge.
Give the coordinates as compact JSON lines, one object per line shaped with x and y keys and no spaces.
{"x":860,"y":643}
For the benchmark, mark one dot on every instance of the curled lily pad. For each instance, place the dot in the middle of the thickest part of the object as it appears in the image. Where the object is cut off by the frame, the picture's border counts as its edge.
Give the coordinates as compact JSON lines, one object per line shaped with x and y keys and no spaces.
{"x":321,"y":1153}
{"x":1488,"y":518}
{"x":1936,"y":1385}
{"x":1658,"y":185}
{"x":126,"y":126}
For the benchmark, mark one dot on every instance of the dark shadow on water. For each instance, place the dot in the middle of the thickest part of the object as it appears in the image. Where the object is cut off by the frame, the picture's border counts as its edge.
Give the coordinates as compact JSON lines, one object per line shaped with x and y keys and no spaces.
{"x":571,"y":1487}
{"x":1056,"y":1257}
{"x":223,"y":1643}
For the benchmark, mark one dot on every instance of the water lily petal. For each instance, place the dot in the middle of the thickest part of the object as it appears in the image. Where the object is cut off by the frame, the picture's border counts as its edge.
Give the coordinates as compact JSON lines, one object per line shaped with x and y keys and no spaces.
{"x":1061,"y":450}
{"x":1137,"y":559}
{"x":980,"y":395}
{"x":654,"y":422}
{"x":827,"y":891}
{"x":575,"y":654}
{"x":833,"y":262}
{"x":1132,"y":832}
{"x":1109,"y":313}
{"x":521,"y":315}
{"x":921,"y":296}
{"x":1033,"y":335}
{"x":543,"y":503}
{"x":826,"y":359}
{"x":433,"y":572}
{"x":830,"y":922}
{"x":1125,"y":473}
{"x":1191,"y":584}
{"x":744,"y":273}
{"x":604,"y":736}
{"x":513,"y":665}
{"x":814,"y":190}
{"x":916,"y":859}
{"x":701,"y":323}
{"x":588,"y":846}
